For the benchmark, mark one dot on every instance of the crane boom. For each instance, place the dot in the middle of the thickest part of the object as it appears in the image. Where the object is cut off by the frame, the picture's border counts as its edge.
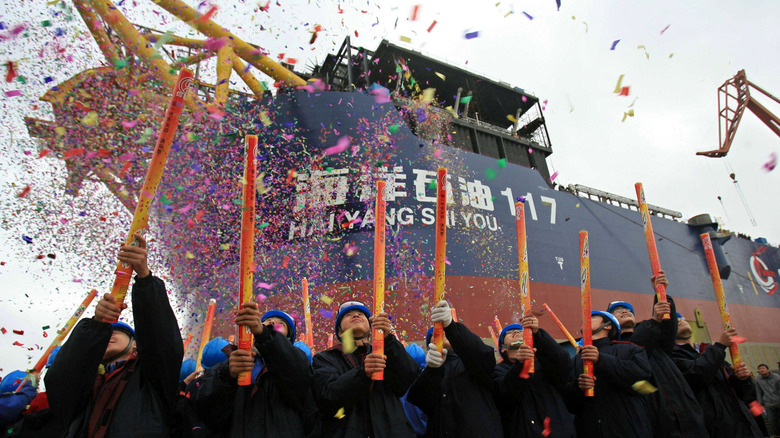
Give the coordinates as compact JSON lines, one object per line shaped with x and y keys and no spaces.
{"x":733,"y":97}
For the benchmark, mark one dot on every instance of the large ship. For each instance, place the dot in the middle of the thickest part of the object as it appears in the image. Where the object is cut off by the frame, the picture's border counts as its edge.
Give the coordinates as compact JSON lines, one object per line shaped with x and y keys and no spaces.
{"x":326,"y":136}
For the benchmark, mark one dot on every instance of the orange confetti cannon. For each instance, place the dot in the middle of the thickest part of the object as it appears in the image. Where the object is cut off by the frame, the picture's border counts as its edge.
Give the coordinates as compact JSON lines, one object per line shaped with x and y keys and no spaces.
{"x":587,"y":335}
{"x":33,"y":374}
{"x":378,"y":337}
{"x":204,"y":339}
{"x":124,"y":271}
{"x":525,"y":282}
{"x":497,"y":325}
{"x":561,"y":326}
{"x":441,"y":251}
{"x":187,"y":341}
{"x":245,"y":286}
{"x":719,"y":294}
{"x":655,"y":263}
{"x":309,"y":336}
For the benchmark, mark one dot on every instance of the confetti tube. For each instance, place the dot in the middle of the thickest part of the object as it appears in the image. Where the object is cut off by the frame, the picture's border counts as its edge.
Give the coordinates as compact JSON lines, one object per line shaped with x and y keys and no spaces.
{"x":378,"y":337}
{"x":61,"y":335}
{"x":561,"y":326}
{"x":153,"y":176}
{"x":441,"y":251}
{"x":585,"y":294}
{"x":497,"y":324}
{"x":308,"y":337}
{"x":719,"y":294}
{"x":187,"y":341}
{"x":495,"y":339}
{"x":204,"y":339}
{"x":525,"y":282}
{"x":247,"y":247}
{"x":655,"y":263}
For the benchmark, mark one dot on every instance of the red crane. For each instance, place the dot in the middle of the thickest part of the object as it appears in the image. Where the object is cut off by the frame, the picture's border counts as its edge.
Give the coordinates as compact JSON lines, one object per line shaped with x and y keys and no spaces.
{"x":733,"y":97}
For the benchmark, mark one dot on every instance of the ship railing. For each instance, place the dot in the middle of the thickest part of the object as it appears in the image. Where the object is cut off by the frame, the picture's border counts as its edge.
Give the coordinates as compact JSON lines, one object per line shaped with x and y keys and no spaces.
{"x":621,"y":201}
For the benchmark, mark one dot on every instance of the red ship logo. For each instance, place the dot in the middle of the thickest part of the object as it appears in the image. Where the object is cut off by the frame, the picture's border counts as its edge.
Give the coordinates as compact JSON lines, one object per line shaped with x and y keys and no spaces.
{"x":764,"y":276}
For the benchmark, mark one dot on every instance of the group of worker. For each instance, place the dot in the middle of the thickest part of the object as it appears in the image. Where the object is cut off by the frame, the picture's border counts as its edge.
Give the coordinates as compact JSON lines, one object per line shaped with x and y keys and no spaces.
{"x":648,"y":379}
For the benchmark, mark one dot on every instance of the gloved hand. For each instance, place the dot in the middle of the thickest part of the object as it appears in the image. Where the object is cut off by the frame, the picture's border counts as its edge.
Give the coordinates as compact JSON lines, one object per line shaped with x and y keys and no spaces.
{"x":433,"y":358}
{"x":442,"y":313}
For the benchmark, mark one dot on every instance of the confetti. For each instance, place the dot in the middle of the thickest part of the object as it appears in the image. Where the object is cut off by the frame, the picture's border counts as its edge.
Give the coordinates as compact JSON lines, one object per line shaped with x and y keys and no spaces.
{"x":348,"y":342}
{"x":738,"y":339}
{"x":340,"y":414}
{"x":528,"y":15}
{"x":547,"y":431}
{"x":471,"y":35}
{"x":341,"y":146}
{"x":771,"y":162}
{"x":756,"y":409}
{"x":430,"y":28}
{"x":326,"y":299}
{"x":644,"y":387}
{"x":25,"y":191}
{"x":664,"y":29}
{"x":13,"y":93}
{"x":415,"y":11}
{"x":614,"y":44}
{"x":207,"y":16}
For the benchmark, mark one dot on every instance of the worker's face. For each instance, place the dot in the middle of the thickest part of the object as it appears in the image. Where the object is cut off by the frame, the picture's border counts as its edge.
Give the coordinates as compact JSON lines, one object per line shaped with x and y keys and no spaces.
{"x":684,"y":330}
{"x":357,"y":321}
{"x":624,"y":316}
{"x":764,"y":371}
{"x":117,"y":344}
{"x":277,"y":324}
{"x":513,"y":339}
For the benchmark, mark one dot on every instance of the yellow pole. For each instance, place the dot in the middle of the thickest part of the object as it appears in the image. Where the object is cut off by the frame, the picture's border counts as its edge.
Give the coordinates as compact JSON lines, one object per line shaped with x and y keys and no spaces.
{"x":178,"y":41}
{"x":101,"y":38}
{"x":250,"y":54}
{"x":194,"y":59}
{"x":224,"y":68}
{"x":249,"y":79}
{"x":139,"y":45}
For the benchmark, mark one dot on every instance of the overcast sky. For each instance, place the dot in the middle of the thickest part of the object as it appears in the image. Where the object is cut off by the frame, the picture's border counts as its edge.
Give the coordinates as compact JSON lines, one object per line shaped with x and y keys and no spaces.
{"x":563,"y":57}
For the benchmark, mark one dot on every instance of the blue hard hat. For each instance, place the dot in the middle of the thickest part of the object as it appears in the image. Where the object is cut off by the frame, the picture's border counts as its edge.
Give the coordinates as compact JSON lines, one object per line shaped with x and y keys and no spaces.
{"x":610,"y":317}
{"x":212,"y":352}
{"x":287,"y":319}
{"x":52,"y":355}
{"x":11,"y":381}
{"x":615,"y":304}
{"x":305,"y":348}
{"x":346,"y":308}
{"x":187,"y":368}
{"x":417,"y":353}
{"x":506,"y":329}
{"x":122,"y":327}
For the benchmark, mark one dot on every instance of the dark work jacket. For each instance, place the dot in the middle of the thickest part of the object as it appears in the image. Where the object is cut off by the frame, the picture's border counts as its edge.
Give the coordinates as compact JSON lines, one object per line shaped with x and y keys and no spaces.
{"x":615,"y":410}
{"x":458,"y":396}
{"x":273,"y":406}
{"x":718,"y":390}
{"x":145,"y":407}
{"x":525,"y":403}
{"x":674,"y":410}
{"x":371,"y":408}
{"x":188,"y":424}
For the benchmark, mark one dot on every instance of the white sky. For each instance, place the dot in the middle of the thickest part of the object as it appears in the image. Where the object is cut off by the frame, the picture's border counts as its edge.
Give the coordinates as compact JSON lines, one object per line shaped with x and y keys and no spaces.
{"x":551,"y":56}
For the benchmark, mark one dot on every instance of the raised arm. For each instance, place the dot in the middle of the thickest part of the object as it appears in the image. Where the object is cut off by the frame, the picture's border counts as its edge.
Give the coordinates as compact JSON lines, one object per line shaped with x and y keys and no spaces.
{"x":401,"y":369}
{"x":71,"y":378}
{"x":477,"y":357}
{"x":626,"y":369}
